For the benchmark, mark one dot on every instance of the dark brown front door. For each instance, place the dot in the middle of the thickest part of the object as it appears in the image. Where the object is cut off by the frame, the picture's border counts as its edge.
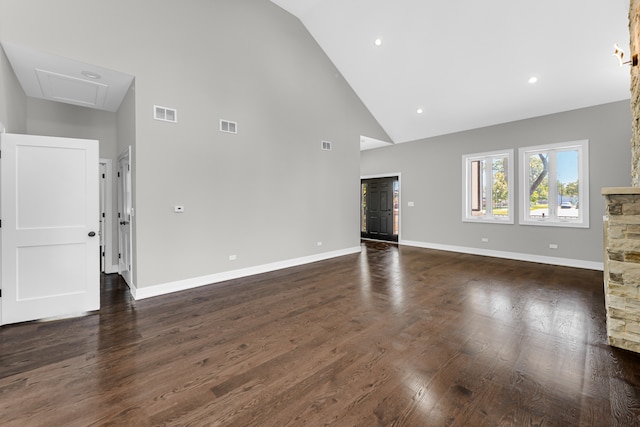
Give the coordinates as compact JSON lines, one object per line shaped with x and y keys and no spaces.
{"x":379,"y":209}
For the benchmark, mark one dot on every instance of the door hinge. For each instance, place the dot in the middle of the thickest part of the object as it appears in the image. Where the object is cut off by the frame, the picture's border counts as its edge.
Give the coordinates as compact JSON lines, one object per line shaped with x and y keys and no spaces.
{"x":0,"y":293}
{"x":119,"y":256}
{"x":103,"y":215}
{"x":118,"y":174}
{"x":118,"y":214}
{"x":103,"y":177}
{"x":128,"y":167}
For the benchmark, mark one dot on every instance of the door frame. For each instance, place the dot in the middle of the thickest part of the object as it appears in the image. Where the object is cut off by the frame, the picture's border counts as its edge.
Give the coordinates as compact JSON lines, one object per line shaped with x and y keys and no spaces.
{"x":128,"y":274}
{"x":384,"y":175}
{"x":109,"y":267}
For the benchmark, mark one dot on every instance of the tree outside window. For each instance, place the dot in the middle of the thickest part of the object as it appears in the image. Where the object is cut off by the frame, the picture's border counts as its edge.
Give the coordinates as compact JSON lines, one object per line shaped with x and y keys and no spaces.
{"x":488,"y":187}
{"x":554,"y":188}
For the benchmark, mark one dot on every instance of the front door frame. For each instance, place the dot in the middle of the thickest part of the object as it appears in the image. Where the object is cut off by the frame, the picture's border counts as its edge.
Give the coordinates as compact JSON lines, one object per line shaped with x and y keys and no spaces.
{"x":385,"y":175}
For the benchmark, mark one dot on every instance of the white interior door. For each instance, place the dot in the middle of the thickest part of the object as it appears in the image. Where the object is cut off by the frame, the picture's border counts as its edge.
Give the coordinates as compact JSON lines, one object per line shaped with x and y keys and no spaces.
{"x":125,"y":214}
{"x":50,"y":244}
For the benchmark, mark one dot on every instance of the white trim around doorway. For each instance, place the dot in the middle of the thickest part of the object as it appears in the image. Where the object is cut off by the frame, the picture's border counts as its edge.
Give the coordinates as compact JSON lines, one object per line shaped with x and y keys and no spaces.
{"x":109,"y":266}
{"x":390,"y":175}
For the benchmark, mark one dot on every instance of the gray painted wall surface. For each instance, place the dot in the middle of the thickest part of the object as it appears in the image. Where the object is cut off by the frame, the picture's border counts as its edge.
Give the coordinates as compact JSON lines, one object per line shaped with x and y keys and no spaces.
{"x":70,"y":121}
{"x":13,"y":101}
{"x":268,"y":193}
{"x":432,"y":178}
{"x":57,"y":119}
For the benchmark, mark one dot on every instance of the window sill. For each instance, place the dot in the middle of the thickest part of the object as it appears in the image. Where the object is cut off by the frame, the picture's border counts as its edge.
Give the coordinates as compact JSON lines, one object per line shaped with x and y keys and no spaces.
{"x":554,"y":223}
{"x":489,"y":220}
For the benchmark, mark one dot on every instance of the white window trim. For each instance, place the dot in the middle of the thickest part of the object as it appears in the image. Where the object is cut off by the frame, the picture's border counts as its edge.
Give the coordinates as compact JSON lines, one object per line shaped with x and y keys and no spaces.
{"x":466,"y":187}
{"x":583,"y":179}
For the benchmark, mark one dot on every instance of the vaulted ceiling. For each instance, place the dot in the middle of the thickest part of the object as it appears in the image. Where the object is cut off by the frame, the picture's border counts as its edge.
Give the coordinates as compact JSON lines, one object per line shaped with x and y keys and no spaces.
{"x":467,"y":64}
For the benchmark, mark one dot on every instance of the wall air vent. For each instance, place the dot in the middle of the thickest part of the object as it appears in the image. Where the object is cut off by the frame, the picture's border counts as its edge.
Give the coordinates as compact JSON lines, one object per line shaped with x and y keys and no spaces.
{"x":326,"y":145}
{"x":228,"y":126}
{"x":165,"y":114}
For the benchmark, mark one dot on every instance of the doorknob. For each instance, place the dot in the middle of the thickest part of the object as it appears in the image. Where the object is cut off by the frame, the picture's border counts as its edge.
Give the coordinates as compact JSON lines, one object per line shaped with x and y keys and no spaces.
{"x":124,"y":222}
{"x":92,"y":233}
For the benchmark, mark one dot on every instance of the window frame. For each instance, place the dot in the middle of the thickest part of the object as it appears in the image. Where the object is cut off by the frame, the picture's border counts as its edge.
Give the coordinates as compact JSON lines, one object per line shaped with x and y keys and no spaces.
{"x":467,"y":187}
{"x":552,"y":220}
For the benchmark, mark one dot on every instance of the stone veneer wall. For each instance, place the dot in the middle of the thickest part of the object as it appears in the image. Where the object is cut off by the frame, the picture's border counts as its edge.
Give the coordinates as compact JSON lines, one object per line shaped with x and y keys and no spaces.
{"x":622,"y":266}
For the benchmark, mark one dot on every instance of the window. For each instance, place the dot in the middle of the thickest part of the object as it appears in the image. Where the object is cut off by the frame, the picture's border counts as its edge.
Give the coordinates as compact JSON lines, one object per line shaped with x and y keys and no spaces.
{"x":396,"y":207}
{"x":555,"y":184}
{"x":363,"y":207}
{"x":488,"y":187}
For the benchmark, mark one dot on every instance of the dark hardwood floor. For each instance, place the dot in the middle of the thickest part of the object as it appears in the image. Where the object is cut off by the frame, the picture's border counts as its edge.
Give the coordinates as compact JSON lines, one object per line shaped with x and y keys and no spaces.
{"x":389,"y":337}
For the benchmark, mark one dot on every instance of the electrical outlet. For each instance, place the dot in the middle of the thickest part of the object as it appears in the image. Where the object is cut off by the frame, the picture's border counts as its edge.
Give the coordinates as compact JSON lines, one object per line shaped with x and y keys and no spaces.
{"x":485,"y":240}
{"x":553,"y":246}
{"x":319,"y":243}
{"x":232,"y":257}
{"x":178,"y":209}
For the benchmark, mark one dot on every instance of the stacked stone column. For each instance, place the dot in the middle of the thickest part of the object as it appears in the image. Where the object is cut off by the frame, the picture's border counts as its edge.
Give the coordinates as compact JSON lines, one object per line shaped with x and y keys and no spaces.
{"x":622,"y":266}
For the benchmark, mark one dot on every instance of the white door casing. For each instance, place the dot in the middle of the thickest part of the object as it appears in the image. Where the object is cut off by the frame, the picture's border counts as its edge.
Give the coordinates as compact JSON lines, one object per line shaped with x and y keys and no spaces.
{"x":106,"y":215}
{"x":50,"y":223}
{"x":125,"y":214}
{"x":102,"y":215}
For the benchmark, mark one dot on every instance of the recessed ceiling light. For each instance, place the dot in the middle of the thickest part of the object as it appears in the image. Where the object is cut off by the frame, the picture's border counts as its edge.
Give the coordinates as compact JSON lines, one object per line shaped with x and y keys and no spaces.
{"x":419,"y":111}
{"x":378,"y":42}
{"x":91,"y":74}
{"x":533,"y":79}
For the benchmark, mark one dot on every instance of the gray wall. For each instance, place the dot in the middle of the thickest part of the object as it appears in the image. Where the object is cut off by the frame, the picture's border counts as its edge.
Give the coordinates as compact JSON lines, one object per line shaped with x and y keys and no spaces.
{"x":70,"y":121}
{"x":267,"y":194}
{"x":432,"y":179}
{"x":65,"y":120}
{"x":13,"y":102}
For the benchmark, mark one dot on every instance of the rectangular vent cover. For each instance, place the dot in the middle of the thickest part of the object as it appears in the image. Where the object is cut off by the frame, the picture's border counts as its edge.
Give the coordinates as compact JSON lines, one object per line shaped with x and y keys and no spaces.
{"x":165,"y":114}
{"x":326,"y":145}
{"x":228,"y":126}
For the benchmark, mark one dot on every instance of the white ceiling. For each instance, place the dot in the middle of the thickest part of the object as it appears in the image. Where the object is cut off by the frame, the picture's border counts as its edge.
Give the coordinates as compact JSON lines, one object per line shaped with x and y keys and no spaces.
{"x":52,"y":77}
{"x":467,"y":63}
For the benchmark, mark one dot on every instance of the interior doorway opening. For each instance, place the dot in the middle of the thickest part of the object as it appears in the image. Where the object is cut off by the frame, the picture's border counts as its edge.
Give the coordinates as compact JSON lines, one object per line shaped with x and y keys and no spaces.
{"x":380,"y":208}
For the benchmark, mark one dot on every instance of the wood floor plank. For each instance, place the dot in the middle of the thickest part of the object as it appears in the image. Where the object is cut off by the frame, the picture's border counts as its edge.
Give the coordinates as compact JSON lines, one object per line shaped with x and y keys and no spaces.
{"x":393,"y":336}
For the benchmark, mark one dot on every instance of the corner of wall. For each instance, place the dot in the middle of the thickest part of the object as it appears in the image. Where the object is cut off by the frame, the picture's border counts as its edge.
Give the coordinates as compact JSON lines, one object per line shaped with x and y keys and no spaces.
{"x":13,"y":101}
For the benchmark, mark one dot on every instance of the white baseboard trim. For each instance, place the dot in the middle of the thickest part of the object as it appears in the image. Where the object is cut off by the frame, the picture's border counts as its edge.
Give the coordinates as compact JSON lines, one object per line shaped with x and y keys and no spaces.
{"x":566,"y":262}
{"x":182,"y":285}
